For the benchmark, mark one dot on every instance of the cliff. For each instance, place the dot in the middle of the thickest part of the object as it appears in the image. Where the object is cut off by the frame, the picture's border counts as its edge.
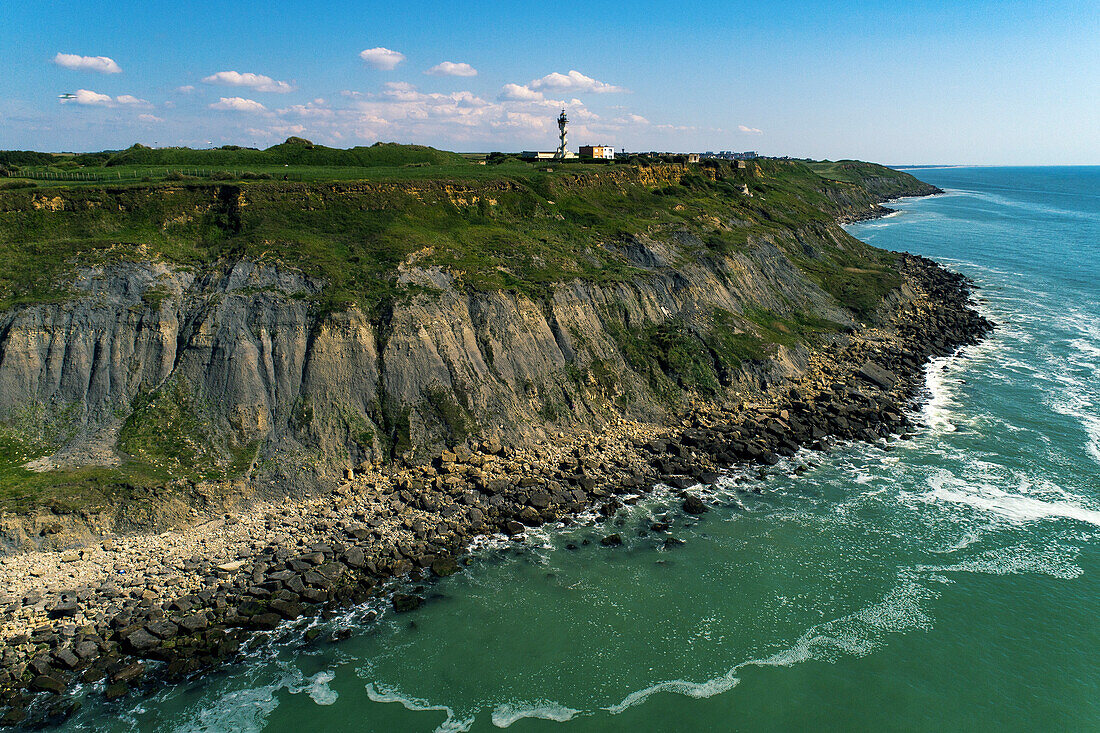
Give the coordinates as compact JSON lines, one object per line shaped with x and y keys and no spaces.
{"x":165,"y":346}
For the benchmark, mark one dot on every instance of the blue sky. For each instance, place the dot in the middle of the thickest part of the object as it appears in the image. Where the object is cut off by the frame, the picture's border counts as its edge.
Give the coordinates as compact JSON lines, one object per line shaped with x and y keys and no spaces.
{"x":917,"y":82}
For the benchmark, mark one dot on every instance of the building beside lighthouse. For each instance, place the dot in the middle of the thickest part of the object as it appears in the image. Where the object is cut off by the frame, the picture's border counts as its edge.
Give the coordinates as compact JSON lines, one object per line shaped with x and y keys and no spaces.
{"x":598,"y":152}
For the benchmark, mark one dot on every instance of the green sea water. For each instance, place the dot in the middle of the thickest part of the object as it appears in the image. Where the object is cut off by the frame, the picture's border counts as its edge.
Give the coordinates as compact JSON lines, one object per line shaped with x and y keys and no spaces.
{"x":951,"y":583}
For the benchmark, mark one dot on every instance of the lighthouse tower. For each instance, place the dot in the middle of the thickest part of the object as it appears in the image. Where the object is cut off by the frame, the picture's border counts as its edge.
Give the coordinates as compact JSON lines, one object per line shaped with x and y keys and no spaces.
{"x":560,"y":154}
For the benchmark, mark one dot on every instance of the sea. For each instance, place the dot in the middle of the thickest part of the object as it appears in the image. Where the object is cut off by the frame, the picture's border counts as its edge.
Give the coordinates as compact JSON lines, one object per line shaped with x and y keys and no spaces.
{"x":949,"y":582}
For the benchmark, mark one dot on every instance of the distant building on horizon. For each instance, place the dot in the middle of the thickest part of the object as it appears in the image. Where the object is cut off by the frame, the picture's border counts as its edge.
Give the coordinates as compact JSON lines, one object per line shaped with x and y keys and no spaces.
{"x":546,"y":155}
{"x":731,"y":155}
{"x":598,"y":152}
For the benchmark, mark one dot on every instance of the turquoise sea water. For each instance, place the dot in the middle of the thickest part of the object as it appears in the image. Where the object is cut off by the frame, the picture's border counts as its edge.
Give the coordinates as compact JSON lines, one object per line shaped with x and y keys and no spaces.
{"x":951,"y":583}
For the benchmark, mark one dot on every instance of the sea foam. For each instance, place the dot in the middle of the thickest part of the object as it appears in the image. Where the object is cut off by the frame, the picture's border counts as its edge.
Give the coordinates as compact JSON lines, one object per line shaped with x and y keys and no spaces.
{"x":453,"y":724}
{"x":506,"y":714}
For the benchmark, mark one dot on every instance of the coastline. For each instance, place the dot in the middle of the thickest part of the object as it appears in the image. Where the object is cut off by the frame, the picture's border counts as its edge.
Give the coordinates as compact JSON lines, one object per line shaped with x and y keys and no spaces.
{"x":125,"y":613}
{"x":131,"y":611}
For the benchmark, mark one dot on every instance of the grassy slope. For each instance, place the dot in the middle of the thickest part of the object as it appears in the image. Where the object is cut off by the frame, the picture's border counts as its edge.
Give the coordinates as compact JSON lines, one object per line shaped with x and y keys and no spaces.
{"x":512,"y":226}
{"x":883,"y":182}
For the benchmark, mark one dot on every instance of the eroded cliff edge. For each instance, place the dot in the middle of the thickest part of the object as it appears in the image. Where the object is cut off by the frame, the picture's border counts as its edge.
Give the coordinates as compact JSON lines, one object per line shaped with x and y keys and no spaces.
{"x":167,"y":350}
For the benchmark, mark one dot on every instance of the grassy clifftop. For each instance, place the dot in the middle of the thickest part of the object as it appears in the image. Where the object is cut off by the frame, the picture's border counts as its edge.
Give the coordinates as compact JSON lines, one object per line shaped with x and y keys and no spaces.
{"x":511,"y":226}
{"x":294,"y":151}
{"x":880,"y":181}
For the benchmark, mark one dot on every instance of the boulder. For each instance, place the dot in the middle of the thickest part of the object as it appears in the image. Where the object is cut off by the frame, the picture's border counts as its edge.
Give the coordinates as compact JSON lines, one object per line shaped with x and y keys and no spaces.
{"x":46,"y":683}
{"x":315,"y":595}
{"x":444,"y":566}
{"x":311,"y":558}
{"x":530,"y":517}
{"x":115,"y":690}
{"x":251,"y":608}
{"x":64,"y":608}
{"x":693,"y":505}
{"x":331,"y":571}
{"x":141,"y":641}
{"x":194,"y":622}
{"x":877,"y":375}
{"x":266,"y":621}
{"x":539,"y":499}
{"x":163,"y":629}
{"x":296,"y":584}
{"x":231,"y":567}
{"x":66,"y":658}
{"x":612,"y":540}
{"x":355,"y":557}
{"x":287,"y":609}
{"x":86,"y":649}
{"x":404,"y":602}
{"x":127,"y":673}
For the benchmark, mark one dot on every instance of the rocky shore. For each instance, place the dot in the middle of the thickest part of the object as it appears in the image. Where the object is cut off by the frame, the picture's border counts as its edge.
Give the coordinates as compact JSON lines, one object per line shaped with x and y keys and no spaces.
{"x":129,"y":612}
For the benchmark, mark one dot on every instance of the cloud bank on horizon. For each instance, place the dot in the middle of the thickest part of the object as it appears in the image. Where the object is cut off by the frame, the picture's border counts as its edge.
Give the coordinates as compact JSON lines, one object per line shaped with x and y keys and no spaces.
{"x":394,"y":110}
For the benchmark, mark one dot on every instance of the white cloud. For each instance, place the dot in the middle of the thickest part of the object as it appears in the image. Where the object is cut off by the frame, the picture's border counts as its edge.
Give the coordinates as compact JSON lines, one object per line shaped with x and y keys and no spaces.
{"x":519,"y":93}
{"x":400,"y":112}
{"x":131,"y":100}
{"x":277,"y":131}
{"x":382,"y":58}
{"x":318,"y":108}
{"x":238,"y":104}
{"x":450,"y":68}
{"x":574,"y":81}
{"x":102,"y":64}
{"x":185,"y":89}
{"x":89,"y":98}
{"x":150,"y":118}
{"x":259,"y":82}
{"x":750,"y":130}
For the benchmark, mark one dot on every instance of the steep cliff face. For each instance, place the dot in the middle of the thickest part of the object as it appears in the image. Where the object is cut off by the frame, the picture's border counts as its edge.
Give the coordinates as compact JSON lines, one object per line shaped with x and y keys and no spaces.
{"x":159,"y":371}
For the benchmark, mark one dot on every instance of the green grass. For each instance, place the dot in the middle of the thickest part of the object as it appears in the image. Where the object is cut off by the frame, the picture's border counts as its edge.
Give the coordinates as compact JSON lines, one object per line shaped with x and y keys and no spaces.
{"x":67,"y":490}
{"x":167,"y":432}
{"x":881,"y":181}
{"x":678,"y":357}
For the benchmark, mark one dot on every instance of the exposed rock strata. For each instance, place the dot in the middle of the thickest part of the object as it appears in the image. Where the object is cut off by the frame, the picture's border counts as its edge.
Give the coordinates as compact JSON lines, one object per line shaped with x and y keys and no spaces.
{"x":288,"y":397}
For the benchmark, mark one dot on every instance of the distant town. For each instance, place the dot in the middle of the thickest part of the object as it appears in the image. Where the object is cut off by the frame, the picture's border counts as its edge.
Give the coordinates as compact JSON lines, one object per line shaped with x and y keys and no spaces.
{"x":608,"y":153}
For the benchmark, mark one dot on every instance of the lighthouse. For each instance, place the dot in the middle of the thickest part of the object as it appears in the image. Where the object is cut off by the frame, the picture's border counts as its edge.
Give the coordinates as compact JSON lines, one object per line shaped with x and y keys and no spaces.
{"x":562,"y":120}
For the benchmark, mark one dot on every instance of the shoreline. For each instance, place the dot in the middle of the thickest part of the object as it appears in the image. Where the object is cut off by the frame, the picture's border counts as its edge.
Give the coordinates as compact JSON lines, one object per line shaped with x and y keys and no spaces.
{"x":130,"y":611}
